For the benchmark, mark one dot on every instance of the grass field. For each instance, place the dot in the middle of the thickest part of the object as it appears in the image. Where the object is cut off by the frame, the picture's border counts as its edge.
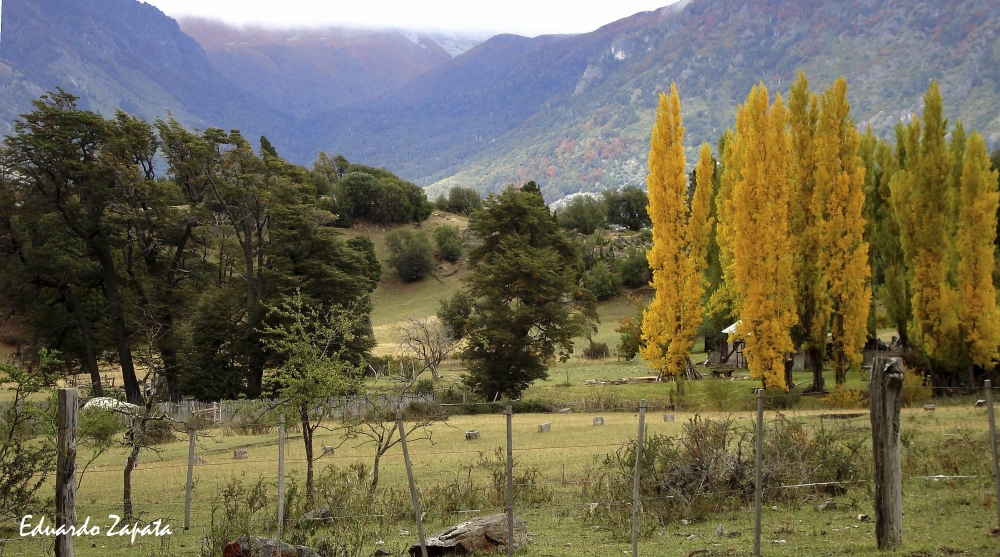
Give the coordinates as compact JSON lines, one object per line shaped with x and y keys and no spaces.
{"x":946,"y":517}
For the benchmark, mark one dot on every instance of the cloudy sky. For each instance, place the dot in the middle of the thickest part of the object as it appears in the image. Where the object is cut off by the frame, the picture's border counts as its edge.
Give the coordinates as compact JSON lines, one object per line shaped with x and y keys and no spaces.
{"x":524,"y":17}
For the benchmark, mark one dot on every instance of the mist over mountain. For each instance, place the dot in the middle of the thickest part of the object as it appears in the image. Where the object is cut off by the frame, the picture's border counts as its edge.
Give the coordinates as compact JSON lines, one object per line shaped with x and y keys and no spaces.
{"x":571,"y":112}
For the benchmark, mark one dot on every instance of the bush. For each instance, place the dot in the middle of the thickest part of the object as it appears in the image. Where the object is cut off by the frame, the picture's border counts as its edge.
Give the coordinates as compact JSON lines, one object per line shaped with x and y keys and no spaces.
{"x":634,"y":269}
{"x":585,"y":214}
{"x":596,"y":350}
{"x":846,"y":398}
{"x":455,"y":313}
{"x":410,"y":254}
{"x":423,"y":387}
{"x":464,"y":201}
{"x":441,"y":203}
{"x":914,"y":390}
{"x":627,"y":207}
{"x":449,"y":243}
{"x":99,"y":426}
{"x":602,"y":283}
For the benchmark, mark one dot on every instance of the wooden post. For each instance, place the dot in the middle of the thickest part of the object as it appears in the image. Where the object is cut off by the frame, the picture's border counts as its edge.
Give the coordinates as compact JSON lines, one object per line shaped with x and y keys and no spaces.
{"x":413,"y":486}
{"x":758,"y":486}
{"x":192,"y":434}
{"x":885,"y":392}
{"x":993,"y":443}
{"x":510,"y":481}
{"x":638,"y":474}
{"x":281,"y":475}
{"x":66,"y":470}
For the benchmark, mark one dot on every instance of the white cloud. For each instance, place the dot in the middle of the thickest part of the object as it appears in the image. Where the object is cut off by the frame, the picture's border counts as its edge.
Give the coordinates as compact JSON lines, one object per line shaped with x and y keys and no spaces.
{"x":525,"y":17}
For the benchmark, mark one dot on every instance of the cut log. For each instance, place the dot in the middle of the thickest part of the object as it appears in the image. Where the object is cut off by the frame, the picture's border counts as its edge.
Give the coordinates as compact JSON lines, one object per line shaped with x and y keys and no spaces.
{"x":470,"y":435}
{"x":485,"y":533}
{"x":241,"y":454}
{"x":247,"y":547}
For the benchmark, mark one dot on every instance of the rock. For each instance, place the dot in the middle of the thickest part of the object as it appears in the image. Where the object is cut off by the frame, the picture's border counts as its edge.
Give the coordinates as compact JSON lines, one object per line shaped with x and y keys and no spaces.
{"x":599,"y":420}
{"x":481,"y":534}
{"x":566,"y":411}
{"x":980,"y":404}
{"x":929,"y":407}
{"x":668,"y":417}
{"x":593,"y":508}
{"x":863,"y":518}
{"x":826,"y":506}
{"x":685,"y":521}
{"x":470,"y":435}
{"x":241,"y":454}
{"x":328,"y":450}
{"x":545,"y":428}
{"x":321,"y":514}
{"x":248,"y":547}
{"x":734,"y":534}
{"x":780,"y":542}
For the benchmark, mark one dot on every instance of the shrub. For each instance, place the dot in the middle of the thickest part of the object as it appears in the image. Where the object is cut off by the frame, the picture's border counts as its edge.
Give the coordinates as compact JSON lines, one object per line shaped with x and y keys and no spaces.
{"x":914,"y":390}
{"x":464,"y":201}
{"x":627,"y":207}
{"x":634,"y":269}
{"x":449,"y":243}
{"x":602,"y":283}
{"x":596,"y":350}
{"x":845,"y":398}
{"x":441,"y":203}
{"x":99,"y":426}
{"x":455,"y":313}
{"x":585,"y":214}
{"x":410,"y":254}
{"x":423,"y":387}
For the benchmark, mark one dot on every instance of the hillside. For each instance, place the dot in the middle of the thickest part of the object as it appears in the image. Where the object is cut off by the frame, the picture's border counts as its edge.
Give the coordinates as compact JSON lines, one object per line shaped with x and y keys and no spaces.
{"x":572,"y":112}
{"x":304,"y":70}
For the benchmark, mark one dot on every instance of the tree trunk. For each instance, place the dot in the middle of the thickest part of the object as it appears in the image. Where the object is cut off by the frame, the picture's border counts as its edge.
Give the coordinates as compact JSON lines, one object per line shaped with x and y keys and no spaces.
{"x":815,"y":355}
{"x":307,"y":439}
{"x":374,"y":484}
{"x":839,"y":350}
{"x":115,"y":311}
{"x":133,"y":457}
{"x":88,"y":341}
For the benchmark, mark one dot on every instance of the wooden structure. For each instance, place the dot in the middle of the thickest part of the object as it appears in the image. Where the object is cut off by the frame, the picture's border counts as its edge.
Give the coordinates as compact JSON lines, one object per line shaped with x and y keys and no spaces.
{"x":886,"y":392}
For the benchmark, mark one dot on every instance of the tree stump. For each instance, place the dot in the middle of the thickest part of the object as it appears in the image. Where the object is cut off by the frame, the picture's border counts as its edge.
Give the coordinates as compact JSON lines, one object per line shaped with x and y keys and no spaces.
{"x":885,"y":391}
{"x":668,"y":417}
{"x":599,"y":420}
{"x":470,"y":435}
{"x":241,"y":454}
{"x":545,"y":428}
{"x":485,"y":533}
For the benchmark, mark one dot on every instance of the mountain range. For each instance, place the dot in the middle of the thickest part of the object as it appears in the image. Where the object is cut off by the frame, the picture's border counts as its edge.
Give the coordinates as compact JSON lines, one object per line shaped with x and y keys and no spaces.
{"x":572,"y":112}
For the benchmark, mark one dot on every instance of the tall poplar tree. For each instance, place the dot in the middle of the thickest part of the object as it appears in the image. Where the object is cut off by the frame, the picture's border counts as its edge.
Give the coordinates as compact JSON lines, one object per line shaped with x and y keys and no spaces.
{"x":762,"y":240}
{"x":922,"y":201}
{"x":808,"y":211}
{"x":677,"y":257}
{"x":844,"y":259}
{"x":979,"y":318}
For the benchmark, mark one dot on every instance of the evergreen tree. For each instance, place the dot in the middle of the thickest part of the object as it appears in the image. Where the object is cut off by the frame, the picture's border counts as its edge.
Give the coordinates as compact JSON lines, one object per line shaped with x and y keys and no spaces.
{"x":528,"y":305}
{"x":844,"y":259}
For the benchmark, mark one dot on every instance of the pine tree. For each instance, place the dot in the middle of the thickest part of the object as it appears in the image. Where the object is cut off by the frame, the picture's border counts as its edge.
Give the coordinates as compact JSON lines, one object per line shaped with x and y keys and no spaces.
{"x":978,"y":315}
{"x":808,"y":211}
{"x":761,"y":241}
{"x":922,"y":201}
{"x":677,"y":257}
{"x":844,"y":257}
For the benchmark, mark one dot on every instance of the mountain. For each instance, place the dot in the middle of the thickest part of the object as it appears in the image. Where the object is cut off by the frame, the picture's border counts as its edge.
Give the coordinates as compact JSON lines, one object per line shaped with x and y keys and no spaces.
{"x":117,"y":54}
{"x":571,"y":112}
{"x":575,"y":113}
{"x":305,"y":70}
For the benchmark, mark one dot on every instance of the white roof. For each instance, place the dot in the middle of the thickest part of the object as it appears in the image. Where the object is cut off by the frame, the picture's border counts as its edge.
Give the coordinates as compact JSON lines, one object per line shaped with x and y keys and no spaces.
{"x":108,"y":403}
{"x":732,"y":328}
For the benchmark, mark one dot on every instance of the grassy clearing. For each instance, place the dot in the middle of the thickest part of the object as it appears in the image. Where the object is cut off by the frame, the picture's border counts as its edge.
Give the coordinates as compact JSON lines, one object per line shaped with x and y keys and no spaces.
{"x":953,"y":514}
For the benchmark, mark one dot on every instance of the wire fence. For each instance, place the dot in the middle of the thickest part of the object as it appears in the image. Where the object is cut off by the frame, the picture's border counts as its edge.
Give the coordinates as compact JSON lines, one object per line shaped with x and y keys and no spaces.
{"x":597,"y":493}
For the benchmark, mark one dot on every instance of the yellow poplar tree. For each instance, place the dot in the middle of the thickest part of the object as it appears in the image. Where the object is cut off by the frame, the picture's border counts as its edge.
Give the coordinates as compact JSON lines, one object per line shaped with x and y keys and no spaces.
{"x":844,"y":258}
{"x":671,"y":321}
{"x":726,"y":296}
{"x":762,"y":243}
{"x":976,"y":231}
{"x":922,"y":201}
{"x":807,"y":216}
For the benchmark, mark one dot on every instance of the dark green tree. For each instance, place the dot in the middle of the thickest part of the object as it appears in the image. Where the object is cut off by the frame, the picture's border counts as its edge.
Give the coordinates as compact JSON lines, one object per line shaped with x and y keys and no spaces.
{"x":627,"y":207}
{"x":528,"y":304}
{"x":454,"y":314}
{"x":585,"y":214}
{"x":410,"y":254}
{"x":448,"y":242}
{"x":464,"y":201}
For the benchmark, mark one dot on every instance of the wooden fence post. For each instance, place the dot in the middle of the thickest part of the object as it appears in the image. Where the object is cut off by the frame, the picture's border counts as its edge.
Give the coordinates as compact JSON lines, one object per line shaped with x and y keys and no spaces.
{"x":638,"y":475}
{"x":192,"y":433}
{"x":66,"y":470}
{"x":281,"y":474}
{"x":510,"y":481}
{"x":413,"y":486}
{"x":885,"y":391}
{"x":758,"y":488}
{"x":993,"y":444}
